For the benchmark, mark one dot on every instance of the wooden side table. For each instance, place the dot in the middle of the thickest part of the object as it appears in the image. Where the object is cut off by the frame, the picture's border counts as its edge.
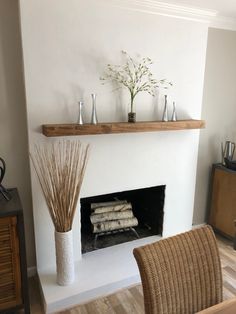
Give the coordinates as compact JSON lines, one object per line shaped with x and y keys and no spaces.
{"x":223,"y":201}
{"x":13,"y":267}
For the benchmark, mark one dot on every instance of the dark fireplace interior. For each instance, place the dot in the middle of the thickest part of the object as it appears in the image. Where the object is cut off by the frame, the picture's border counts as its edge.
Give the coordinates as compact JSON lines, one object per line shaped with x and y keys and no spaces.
{"x":147,"y":206}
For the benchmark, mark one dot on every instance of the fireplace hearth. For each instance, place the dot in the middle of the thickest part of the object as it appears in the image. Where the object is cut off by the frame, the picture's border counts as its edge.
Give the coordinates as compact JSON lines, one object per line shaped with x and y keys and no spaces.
{"x":144,"y":206}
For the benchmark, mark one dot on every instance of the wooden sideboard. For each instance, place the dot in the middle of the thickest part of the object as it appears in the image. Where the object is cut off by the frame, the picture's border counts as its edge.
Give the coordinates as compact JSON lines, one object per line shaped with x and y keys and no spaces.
{"x":223,"y":201}
{"x":13,"y":269}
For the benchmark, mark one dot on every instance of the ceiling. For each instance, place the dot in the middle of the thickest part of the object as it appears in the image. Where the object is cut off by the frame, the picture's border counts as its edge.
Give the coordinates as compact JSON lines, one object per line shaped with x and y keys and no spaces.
{"x":226,"y":8}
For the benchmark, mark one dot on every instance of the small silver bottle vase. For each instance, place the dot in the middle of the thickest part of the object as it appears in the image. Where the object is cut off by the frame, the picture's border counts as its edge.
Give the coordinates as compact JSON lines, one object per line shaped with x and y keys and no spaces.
{"x":94,"y":119}
{"x":174,"y":115}
{"x":80,"y":117}
{"x":165,"y":112}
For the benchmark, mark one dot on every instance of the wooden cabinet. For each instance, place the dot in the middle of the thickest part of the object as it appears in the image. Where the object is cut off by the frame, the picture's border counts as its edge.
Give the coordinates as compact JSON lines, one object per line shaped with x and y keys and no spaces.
{"x":10,"y":275}
{"x":13,"y":270}
{"x":223,"y":200}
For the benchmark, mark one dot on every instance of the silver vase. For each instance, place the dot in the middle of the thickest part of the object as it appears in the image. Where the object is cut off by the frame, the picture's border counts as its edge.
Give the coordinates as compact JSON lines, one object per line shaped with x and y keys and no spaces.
{"x":80,"y":117}
{"x":94,"y":119}
{"x":174,"y":115}
{"x":165,"y":112}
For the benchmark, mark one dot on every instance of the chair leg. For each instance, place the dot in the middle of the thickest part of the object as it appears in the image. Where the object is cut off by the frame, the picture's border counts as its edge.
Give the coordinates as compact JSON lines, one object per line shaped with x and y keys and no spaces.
{"x":235,"y":236}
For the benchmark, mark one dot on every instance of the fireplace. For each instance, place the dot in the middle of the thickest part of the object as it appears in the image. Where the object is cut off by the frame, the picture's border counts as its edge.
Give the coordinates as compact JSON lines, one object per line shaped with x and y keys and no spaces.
{"x":146,"y":205}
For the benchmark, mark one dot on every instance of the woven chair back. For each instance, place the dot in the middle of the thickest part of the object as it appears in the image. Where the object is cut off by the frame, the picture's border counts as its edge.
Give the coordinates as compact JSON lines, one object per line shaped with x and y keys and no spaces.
{"x":181,"y":274}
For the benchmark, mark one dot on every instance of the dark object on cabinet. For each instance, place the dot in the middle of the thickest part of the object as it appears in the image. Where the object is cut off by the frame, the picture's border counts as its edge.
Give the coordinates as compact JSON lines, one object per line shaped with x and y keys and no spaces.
{"x":3,"y":191}
{"x":231,"y":164}
{"x":223,"y":201}
{"x":13,"y":268}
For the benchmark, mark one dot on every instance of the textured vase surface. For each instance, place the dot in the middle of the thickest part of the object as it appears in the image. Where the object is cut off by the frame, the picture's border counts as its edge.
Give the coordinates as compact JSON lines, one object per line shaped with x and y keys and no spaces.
{"x":64,"y":258}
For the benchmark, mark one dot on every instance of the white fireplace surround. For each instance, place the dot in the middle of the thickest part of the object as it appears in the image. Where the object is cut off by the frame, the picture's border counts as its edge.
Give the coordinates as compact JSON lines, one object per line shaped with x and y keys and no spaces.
{"x":66,"y":45}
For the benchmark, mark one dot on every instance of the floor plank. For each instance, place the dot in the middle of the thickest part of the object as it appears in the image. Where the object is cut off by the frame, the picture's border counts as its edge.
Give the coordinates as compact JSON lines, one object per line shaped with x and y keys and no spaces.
{"x":130,"y":300}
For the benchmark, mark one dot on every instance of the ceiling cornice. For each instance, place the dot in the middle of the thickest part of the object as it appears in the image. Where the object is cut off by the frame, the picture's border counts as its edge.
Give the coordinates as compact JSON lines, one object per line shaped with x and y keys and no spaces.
{"x":211,"y":17}
{"x":223,"y":22}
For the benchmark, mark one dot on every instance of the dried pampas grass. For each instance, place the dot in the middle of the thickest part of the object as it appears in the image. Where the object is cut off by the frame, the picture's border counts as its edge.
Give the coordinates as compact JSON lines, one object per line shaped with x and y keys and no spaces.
{"x":60,"y":168}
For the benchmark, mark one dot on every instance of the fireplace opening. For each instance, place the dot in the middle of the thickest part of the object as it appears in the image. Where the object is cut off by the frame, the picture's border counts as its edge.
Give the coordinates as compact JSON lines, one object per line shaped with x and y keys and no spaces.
{"x":115,"y":218}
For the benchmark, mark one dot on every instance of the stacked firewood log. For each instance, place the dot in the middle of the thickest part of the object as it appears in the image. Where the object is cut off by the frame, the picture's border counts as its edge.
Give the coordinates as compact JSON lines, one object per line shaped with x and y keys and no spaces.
{"x":109,"y":216}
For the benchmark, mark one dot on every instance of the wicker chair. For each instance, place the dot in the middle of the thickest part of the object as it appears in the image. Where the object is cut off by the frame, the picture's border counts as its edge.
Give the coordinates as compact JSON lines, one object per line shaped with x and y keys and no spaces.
{"x":181,"y":274}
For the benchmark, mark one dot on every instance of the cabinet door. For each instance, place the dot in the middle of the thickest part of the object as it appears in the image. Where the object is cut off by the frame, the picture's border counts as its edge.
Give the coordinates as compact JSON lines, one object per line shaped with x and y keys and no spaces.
{"x":10,"y":276}
{"x":223,"y":205}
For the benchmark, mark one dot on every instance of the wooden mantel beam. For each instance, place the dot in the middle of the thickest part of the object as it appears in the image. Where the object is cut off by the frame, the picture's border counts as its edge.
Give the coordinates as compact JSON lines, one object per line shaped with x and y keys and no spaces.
{"x":51,"y":130}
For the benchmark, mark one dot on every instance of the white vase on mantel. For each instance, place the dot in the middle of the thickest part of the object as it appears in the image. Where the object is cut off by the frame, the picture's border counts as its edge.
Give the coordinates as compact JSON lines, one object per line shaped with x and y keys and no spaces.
{"x":64,"y":258}
{"x":165,"y":112}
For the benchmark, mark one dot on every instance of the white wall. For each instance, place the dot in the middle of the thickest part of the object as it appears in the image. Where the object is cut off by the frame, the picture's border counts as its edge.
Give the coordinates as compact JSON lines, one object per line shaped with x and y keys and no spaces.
{"x":218,"y":110}
{"x":66,"y":45}
{"x":13,"y":127}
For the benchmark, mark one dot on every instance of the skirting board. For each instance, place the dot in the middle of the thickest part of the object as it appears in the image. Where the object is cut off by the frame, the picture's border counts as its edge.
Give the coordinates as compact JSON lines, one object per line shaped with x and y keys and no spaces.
{"x":31,"y":271}
{"x":199,"y":225}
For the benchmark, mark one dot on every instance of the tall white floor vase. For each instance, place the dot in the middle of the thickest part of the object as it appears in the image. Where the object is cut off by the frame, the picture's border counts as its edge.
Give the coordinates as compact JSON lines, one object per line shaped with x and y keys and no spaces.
{"x":64,"y":258}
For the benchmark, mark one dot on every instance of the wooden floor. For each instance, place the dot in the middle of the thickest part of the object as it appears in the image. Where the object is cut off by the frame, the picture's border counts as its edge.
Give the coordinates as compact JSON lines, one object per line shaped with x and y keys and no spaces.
{"x":130,"y":301}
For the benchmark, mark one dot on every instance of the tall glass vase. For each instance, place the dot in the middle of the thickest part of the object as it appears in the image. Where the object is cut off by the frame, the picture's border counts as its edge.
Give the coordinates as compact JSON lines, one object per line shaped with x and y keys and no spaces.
{"x":94,"y":119}
{"x":132,"y":114}
{"x":132,"y":117}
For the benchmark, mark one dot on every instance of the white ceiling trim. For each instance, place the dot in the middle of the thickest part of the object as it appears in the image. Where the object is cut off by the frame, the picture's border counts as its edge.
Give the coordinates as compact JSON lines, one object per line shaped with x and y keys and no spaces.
{"x":177,"y":9}
{"x":211,"y":17}
{"x":223,"y":22}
